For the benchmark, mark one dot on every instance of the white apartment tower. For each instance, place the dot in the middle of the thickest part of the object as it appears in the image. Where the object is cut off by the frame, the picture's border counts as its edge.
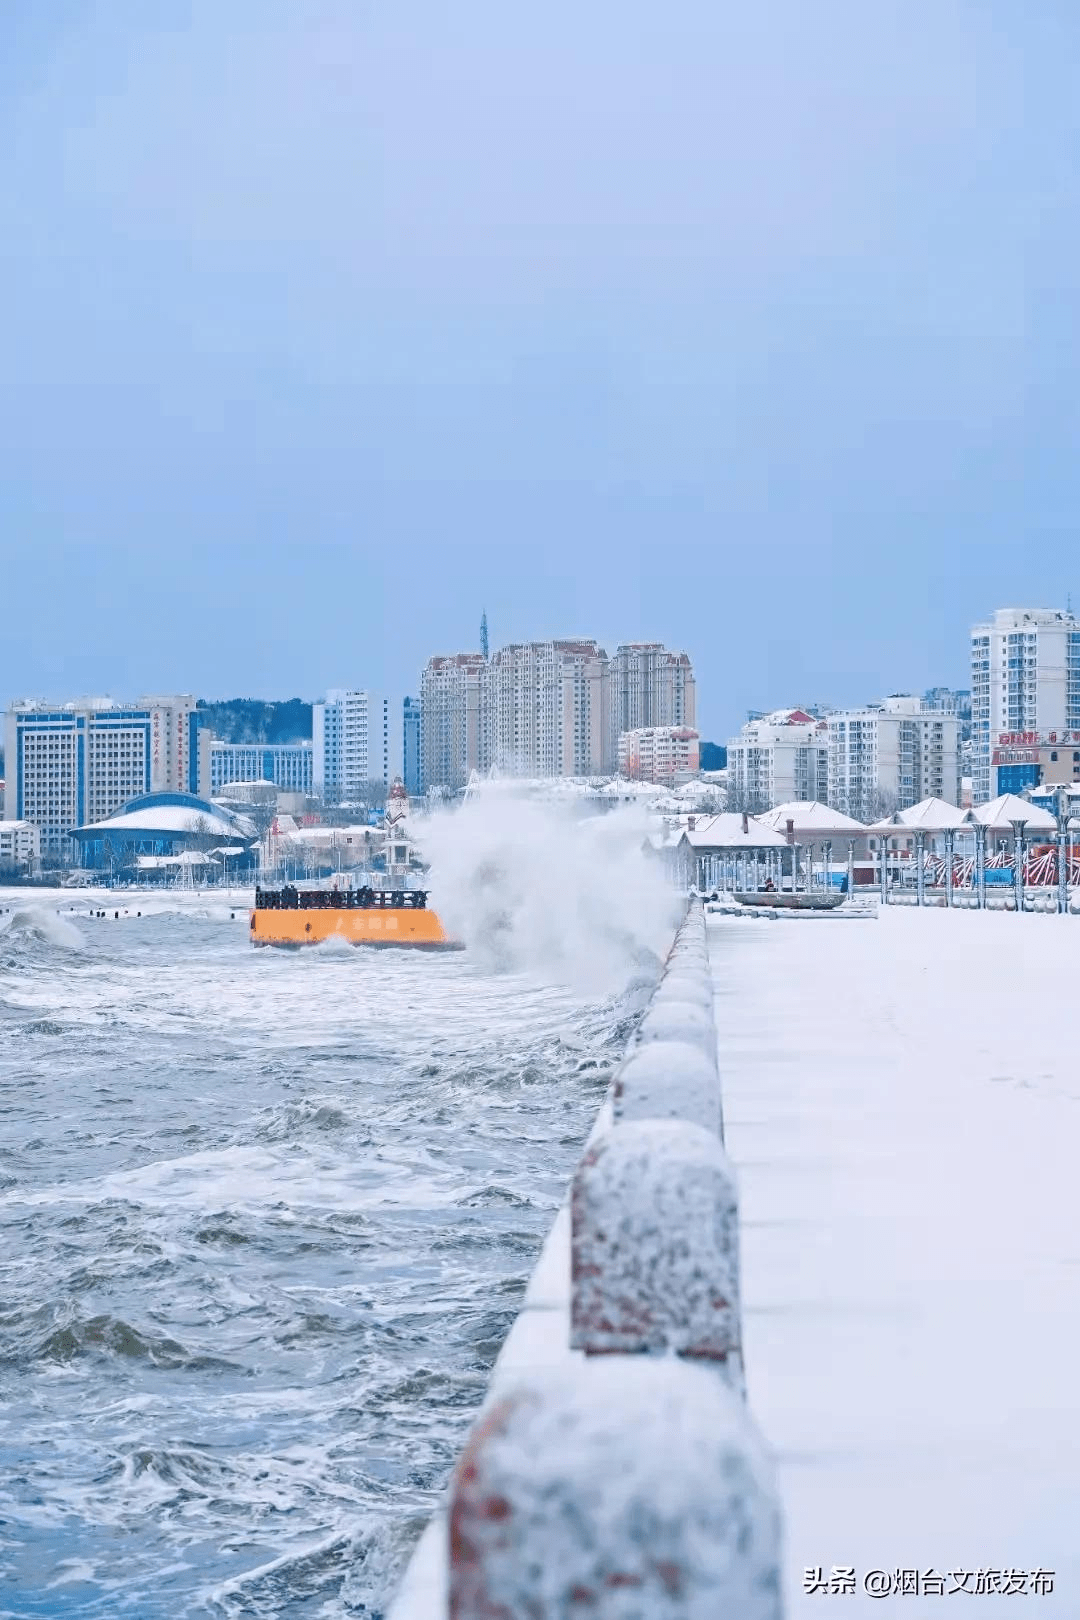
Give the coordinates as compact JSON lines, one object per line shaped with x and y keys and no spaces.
{"x":1025,"y":677}
{"x":649,"y":687}
{"x":354,"y":743}
{"x":778,"y":758}
{"x":548,"y":709}
{"x":453,"y":709}
{"x":888,"y":756}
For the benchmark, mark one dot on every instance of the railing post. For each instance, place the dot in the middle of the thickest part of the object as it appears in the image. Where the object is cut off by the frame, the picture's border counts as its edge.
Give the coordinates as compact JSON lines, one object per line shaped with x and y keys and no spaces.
{"x":618,"y":1488}
{"x":655,"y":1246}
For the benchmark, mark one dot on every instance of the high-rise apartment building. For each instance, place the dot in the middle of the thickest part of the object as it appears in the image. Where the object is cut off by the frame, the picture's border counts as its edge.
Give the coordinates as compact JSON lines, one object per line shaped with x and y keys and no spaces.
{"x":1025,"y":678}
{"x":76,"y":763}
{"x":288,"y":765}
{"x":453,"y":720}
{"x":411,"y":770}
{"x":891,"y":755}
{"x":354,"y":744}
{"x":650,"y":686}
{"x":548,"y":709}
{"x":777,"y":758}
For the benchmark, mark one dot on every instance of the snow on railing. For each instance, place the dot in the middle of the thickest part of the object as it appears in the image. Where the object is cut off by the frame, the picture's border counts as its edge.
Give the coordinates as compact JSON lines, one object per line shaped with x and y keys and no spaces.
{"x":614,"y":1470}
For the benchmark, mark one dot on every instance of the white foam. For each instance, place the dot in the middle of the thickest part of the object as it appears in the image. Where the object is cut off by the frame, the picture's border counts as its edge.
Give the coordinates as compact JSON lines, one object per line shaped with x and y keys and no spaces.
{"x":538,"y":886}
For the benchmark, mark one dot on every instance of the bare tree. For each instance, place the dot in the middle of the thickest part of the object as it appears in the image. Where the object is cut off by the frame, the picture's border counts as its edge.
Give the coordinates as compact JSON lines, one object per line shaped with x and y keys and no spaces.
{"x":876,"y":804}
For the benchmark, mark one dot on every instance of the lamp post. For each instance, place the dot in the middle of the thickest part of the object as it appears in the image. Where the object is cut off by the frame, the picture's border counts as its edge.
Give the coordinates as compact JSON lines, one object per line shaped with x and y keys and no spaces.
{"x":920,"y":868}
{"x":949,"y":836}
{"x":979,"y":832}
{"x":1018,"y":860}
{"x":1063,"y":850}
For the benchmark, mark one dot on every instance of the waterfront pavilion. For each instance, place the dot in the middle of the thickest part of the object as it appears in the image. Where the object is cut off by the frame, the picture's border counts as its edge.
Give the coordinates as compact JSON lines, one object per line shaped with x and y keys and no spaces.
{"x":999,"y":815}
{"x":922,"y":828}
{"x":813,"y":825}
{"x":730,"y":850}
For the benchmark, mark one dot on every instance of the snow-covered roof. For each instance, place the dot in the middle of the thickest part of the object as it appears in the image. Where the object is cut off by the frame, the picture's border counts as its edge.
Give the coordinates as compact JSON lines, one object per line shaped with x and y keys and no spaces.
{"x":809,"y":815}
{"x":177,"y":819}
{"x":725,"y":831}
{"x":1009,"y":807}
{"x":190,"y":857}
{"x":313,"y":835}
{"x":931,"y":815}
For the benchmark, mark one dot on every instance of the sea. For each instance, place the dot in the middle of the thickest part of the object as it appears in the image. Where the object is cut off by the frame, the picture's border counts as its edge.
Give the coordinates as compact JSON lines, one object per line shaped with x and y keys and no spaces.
{"x":265,"y":1219}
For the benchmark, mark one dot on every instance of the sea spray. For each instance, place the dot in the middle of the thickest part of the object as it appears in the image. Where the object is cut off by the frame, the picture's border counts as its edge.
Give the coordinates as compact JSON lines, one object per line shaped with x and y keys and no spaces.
{"x":540,"y":887}
{"x":41,"y":924}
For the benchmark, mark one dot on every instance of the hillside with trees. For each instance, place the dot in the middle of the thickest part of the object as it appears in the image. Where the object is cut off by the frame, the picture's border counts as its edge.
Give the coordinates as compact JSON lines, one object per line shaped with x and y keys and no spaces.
{"x":253,"y":720}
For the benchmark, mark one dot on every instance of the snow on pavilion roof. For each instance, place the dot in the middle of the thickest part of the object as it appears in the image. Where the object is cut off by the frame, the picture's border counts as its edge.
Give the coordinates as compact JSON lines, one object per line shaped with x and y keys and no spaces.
{"x":931,"y":815}
{"x":809,"y":815}
{"x":725,"y":831}
{"x":1010,"y":807}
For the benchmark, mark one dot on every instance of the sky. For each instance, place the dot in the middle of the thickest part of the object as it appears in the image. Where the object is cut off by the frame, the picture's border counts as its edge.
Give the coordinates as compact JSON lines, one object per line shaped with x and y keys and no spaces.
{"x":752,"y":328}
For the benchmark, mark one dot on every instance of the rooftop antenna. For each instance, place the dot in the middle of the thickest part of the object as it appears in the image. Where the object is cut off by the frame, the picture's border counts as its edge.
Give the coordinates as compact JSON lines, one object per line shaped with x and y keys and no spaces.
{"x":483,"y":633}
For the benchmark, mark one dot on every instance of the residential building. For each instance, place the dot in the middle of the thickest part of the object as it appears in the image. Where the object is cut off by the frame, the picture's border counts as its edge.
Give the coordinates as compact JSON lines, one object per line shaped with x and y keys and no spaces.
{"x":549,"y":710}
{"x":20,"y":847}
{"x":1025,"y":677}
{"x":411,"y":770}
{"x":667,"y":754}
{"x":776,"y":758}
{"x":886,"y":756}
{"x":453,"y":721}
{"x":77,"y":763}
{"x":353,"y":745}
{"x":1034,"y":759}
{"x":288,"y":765}
{"x":650,"y":686}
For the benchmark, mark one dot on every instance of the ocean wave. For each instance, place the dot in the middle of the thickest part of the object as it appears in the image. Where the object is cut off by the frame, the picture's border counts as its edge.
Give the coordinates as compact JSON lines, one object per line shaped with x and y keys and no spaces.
{"x":27,"y":926}
{"x":268,"y":1219}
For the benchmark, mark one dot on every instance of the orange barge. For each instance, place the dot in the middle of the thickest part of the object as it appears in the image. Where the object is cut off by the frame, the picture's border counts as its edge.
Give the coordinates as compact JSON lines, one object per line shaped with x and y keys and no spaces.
{"x":378,"y":917}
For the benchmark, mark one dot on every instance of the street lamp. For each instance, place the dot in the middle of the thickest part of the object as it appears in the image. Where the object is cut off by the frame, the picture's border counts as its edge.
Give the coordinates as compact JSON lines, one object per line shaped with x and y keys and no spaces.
{"x":1063,"y":849}
{"x":1018,"y":859}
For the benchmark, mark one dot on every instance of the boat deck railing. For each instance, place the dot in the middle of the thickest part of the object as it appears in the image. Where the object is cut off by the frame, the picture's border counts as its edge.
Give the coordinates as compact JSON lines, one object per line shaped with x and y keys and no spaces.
{"x":289,"y":898}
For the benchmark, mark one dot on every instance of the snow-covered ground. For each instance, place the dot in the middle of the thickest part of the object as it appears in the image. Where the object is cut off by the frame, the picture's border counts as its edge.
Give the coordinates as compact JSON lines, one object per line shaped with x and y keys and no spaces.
{"x":902,"y":1102}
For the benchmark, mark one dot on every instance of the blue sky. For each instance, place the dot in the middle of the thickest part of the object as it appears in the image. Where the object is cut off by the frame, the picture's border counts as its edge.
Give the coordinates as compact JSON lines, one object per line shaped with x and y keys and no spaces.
{"x":753,"y":328}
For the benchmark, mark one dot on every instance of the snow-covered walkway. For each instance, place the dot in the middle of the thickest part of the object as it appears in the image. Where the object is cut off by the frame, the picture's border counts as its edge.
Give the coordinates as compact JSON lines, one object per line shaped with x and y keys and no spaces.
{"x":902,"y":1102}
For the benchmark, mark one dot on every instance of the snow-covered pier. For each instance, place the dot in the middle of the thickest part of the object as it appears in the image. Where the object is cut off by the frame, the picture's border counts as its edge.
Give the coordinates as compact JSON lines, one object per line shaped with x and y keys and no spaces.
{"x":902,"y":1107}
{"x":902,"y":1113}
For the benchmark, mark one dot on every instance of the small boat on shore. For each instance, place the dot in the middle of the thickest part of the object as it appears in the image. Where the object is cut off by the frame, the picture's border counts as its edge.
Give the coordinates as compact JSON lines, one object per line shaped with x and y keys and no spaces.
{"x":781,"y":900}
{"x":365,"y":916}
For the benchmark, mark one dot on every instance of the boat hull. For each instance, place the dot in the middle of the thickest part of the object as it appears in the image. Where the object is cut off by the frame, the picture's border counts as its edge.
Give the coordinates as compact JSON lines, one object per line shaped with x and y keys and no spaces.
{"x":786,"y":901}
{"x":409,"y":928}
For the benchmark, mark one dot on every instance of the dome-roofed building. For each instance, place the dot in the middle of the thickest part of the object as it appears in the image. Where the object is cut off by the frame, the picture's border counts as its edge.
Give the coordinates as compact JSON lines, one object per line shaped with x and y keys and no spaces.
{"x":162,"y":824}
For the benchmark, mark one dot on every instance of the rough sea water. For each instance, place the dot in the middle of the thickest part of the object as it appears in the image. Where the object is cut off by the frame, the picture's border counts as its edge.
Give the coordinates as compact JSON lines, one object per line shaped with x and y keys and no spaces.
{"x":265,"y":1219}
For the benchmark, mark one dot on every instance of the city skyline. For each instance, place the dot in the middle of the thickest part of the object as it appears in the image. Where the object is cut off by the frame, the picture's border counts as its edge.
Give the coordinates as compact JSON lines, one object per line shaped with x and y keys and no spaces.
{"x":762,"y":346}
{"x":724,"y":699}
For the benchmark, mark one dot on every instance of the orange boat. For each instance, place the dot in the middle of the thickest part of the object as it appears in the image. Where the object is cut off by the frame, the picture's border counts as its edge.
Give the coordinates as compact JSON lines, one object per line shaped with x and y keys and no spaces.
{"x":386,"y":917}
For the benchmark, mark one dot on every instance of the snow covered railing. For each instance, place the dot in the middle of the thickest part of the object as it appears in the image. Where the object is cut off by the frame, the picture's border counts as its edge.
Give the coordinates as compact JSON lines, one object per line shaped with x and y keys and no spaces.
{"x":614,"y":1469}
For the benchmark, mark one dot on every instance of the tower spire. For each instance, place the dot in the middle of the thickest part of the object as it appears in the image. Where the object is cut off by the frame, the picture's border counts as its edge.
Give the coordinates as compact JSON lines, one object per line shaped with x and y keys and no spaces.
{"x":484,"y":633}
